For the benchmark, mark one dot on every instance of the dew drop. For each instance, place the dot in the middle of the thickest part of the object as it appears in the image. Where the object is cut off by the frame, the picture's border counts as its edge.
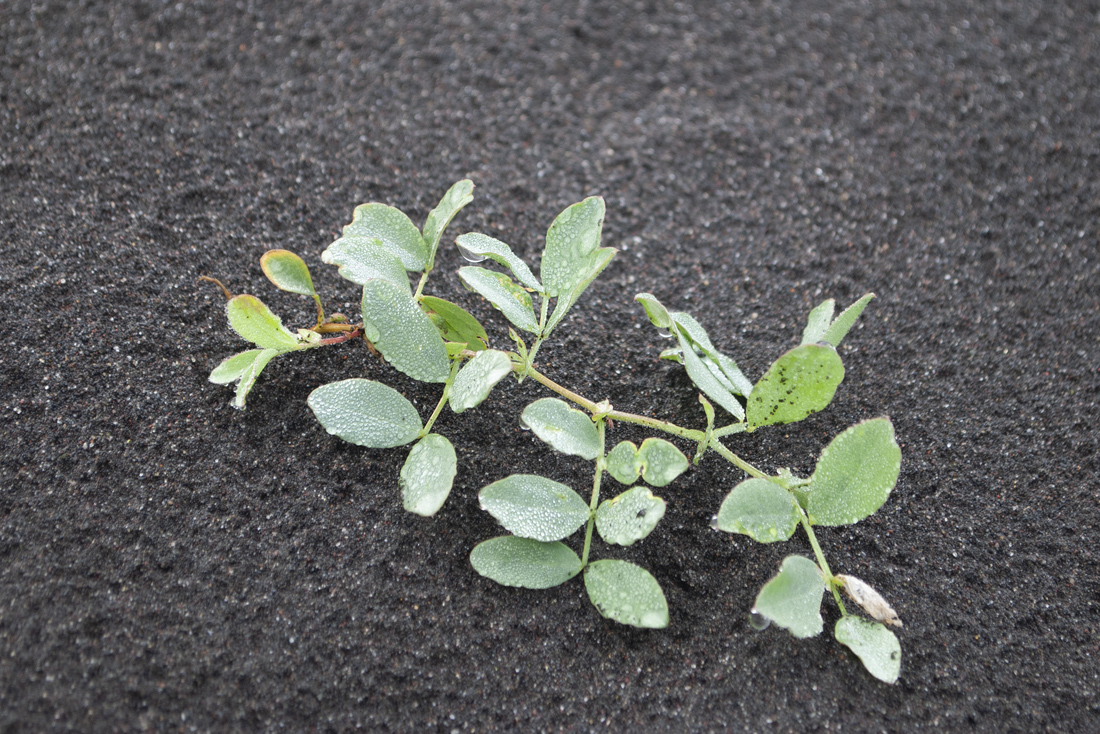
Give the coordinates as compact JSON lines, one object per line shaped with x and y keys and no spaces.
{"x":758,"y":621}
{"x":523,"y":425}
{"x":713,"y":522}
{"x":470,"y":256}
{"x":664,"y":333}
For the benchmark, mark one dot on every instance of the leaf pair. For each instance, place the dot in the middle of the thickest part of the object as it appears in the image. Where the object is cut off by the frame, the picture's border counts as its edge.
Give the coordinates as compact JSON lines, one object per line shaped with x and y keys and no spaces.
{"x":570,"y":262}
{"x":658,"y":462}
{"x":792,"y":599}
{"x":852,"y":479}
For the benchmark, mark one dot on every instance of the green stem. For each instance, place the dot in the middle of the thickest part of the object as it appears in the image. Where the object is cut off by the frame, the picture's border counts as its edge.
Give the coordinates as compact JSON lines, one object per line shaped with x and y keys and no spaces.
{"x":738,"y":461}
{"x":731,"y":428}
{"x":594,"y":503}
{"x":442,"y":399}
{"x":820,"y":558}
{"x":560,"y":390}
{"x":420,"y":285}
{"x":320,"y":310}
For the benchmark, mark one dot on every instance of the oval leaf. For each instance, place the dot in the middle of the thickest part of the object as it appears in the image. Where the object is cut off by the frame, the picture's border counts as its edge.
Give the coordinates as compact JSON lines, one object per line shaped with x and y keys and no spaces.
{"x":365,"y":413}
{"x":793,"y":598}
{"x":597,"y":261}
{"x":287,"y":271}
{"x":570,"y":243}
{"x":393,"y":229}
{"x":876,"y":647}
{"x":760,"y":509}
{"x":476,"y":247}
{"x":854,"y":475}
{"x":534,"y":507}
{"x":657,"y":313}
{"x":403,"y":333}
{"x":249,"y":317}
{"x":458,"y":196}
{"x":455,"y":323}
{"x":626,"y":593}
{"x":503,"y":292}
{"x":567,"y":430}
{"x":231,"y":369}
{"x":365,"y":258}
{"x":427,"y":475}
{"x":477,"y":378}
{"x":621,"y":464}
{"x":629,"y":517}
{"x":530,"y":564}
{"x":801,"y":382}
{"x":660,"y":461}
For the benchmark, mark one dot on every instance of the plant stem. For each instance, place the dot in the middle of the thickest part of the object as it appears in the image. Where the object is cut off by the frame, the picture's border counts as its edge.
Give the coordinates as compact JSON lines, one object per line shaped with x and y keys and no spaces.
{"x":737,"y":460}
{"x":320,"y":310}
{"x":820,"y":558}
{"x":442,"y":399}
{"x":420,"y":285}
{"x":345,"y":336}
{"x":563,"y":391}
{"x":731,"y":428}
{"x":594,"y":503}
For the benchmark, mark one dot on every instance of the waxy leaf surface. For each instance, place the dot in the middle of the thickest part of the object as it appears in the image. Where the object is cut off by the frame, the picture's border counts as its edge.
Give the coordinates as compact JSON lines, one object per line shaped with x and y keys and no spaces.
{"x":477,"y":378}
{"x":287,"y":271}
{"x":475,"y":245}
{"x":534,"y":507}
{"x":793,"y":598}
{"x":801,"y":382}
{"x":365,"y":413}
{"x":760,"y":509}
{"x":626,"y":593}
{"x":504,"y":293}
{"x":458,"y":196}
{"x":366,"y":258}
{"x":566,"y":429}
{"x":427,"y":475}
{"x":403,"y":333}
{"x":571,"y":242}
{"x":629,"y":517}
{"x":854,"y":475}
{"x":530,"y":564}
{"x":876,"y":647}
{"x":393,"y":229}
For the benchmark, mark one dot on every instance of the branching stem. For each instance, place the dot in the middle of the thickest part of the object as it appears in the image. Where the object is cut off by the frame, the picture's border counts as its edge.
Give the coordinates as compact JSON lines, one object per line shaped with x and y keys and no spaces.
{"x":821,"y":558}
{"x":442,"y":399}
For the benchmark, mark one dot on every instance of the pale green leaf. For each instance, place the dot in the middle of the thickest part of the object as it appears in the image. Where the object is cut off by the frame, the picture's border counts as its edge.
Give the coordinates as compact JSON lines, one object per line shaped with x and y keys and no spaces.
{"x":760,"y":509}
{"x":529,"y":564}
{"x":403,"y":333}
{"x":393,"y":229}
{"x":801,"y":382}
{"x":287,"y":271}
{"x":427,"y":475}
{"x":476,"y":247}
{"x":876,"y":647}
{"x":455,"y":323}
{"x":722,"y":367}
{"x":657,"y":313}
{"x":844,"y":322}
{"x":365,"y":258}
{"x":629,"y":517}
{"x":854,"y":475}
{"x":365,"y":413}
{"x":249,"y":317}
{"x":660,"y":461}
{"x":251,"y":373}
{"x":477,"y":378}
{"x":705,"y":380}
{"x":571,"y":242}
{"x":621,"y":462}
{"x":626,"y":593}
{"x":458,"y":196}
{"x":534,"y":507}
{"x":817,"y":323}
{"x":231,"y":369}
{"x":792,"y":599}
{"x":566,"y":429}
{"x":598,"y":260}
{"x":504,"y":293}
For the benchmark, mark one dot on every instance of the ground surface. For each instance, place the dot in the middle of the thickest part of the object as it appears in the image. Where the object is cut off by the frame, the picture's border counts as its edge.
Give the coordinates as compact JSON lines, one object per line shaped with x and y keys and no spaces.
{"x":168,"y":563}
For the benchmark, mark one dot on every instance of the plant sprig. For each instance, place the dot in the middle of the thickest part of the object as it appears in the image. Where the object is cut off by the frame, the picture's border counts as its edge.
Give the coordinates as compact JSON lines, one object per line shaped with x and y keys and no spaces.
{"x":436,"y":341}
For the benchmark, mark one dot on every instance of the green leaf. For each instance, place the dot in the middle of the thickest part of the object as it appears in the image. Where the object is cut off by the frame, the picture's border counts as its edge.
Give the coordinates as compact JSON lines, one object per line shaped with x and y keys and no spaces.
{"x":251,"y":373}
{"x":530,"y":564}
{"x":621,"y":464}
{"x":476,"y":247}
{"x":801,"y":382}
{"x":231,"y":369}
{"x":844,"y":322}
{"x":660,"y":461}
{"x":534,"y":507}
{"x":657,"y":313}
{"x":249,"y":317}
{"x":287,"y":271}
{"x":403,"y":333}
{"x":626,"y":593}
{"x":722,"y":367}
{"x":567,"y":430}
{"x":760,"y":509}
{"x":793,"y":598}
{"x":597,"y":262}
{"x":427,"y":475}
{"x":817,"y":323}
{"x":854,"y":475}
{"x":455,"y":323}
{"x":571,"y":242}
{"x":504,"y":293}
{"x":393,"y":229}
{"x":629,"y":517}
{"x":876,"y":647}
{"x":365,"y":258}
{"x":477,"y":378}
{"x":458,"y":196}
{"x":365,"y":413}
{"x":705,"y":380}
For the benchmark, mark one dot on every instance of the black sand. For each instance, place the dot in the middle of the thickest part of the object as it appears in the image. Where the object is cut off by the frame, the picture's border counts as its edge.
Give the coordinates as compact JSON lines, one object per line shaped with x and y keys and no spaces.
{"x":170,"y":564}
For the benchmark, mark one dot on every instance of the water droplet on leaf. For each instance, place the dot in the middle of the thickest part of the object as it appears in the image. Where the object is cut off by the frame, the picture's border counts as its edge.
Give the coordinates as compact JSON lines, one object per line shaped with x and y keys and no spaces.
{"x":713,"y":522}
{"x":758,"y":621}
{"x":470,"y":256}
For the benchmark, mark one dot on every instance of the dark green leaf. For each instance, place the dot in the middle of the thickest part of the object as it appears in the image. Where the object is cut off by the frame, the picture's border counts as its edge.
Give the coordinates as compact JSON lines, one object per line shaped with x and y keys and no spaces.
{"x":455,"y":323}
{"x":854,"y":475}
{"x":801,"y":382}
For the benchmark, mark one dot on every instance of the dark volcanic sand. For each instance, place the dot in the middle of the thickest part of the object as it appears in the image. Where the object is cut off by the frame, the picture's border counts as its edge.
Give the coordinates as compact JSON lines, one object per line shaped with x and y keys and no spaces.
{"x":168,"y":563}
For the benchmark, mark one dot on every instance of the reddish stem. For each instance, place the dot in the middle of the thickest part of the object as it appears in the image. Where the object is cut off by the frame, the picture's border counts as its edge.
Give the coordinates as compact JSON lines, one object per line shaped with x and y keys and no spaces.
{"x":346,"y":336}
